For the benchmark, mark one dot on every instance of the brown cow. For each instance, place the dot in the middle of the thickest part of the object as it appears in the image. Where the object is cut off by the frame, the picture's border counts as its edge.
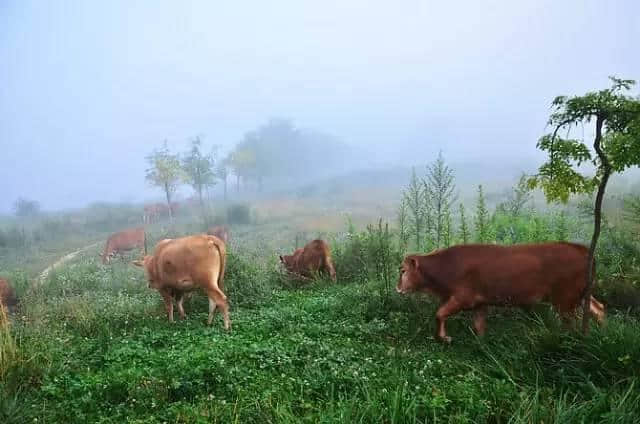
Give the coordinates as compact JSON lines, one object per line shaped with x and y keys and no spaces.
{"x":221,"y":232}
{"x":180,"y":265}
{"x":8,"y":298}
{"x":124,"y":241}
{"x":471,"y":277}
{"x":314,"y":257}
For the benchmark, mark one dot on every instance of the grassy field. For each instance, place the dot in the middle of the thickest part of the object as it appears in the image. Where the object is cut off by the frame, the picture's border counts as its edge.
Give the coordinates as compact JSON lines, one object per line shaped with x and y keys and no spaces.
{"x":92,"y":343}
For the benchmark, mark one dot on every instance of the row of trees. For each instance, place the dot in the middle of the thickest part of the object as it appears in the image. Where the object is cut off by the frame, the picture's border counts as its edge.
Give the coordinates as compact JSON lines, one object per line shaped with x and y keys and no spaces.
{"x":274,"y":150}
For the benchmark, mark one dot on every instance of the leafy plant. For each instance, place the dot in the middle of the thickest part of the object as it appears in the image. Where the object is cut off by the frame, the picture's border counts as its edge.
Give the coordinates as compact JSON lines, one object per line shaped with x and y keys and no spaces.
{"x":616,"y":147}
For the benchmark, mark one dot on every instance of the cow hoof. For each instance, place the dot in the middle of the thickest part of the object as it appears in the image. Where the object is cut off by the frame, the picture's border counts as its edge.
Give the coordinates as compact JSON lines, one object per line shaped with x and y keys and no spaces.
{"x":445,"y":339}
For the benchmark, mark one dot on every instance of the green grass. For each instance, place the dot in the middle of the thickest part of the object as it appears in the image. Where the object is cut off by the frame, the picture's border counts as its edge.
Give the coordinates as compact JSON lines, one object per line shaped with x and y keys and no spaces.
{"x":94,"y":345}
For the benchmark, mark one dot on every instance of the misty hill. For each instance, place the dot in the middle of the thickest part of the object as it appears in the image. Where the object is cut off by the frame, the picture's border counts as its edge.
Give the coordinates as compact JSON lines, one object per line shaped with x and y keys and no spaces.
{"x":468,"y":175}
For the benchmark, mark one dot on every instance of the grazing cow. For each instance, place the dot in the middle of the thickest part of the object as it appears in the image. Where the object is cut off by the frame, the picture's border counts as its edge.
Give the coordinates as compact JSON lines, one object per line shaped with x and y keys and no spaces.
{"x":314,"y":257}
{"x":124,"y":241}
{"x":471,"y":277}
{"x":221,"y":232}
{"x":181,"y":265}
{"x":8,"y":298}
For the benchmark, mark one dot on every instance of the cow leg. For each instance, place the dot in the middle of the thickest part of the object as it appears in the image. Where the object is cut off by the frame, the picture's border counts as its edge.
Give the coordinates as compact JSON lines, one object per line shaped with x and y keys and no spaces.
{"x":217,"y":298}
{"x":480,"y":319}
{"x":179,"y":299}
{"x":597,"y":310}
{"x":168,"y":303}
{"x":450,"y":307}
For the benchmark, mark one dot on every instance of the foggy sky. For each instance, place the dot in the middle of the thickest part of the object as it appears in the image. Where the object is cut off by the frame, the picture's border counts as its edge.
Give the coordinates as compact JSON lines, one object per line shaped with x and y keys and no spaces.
{"x":87,"y":88}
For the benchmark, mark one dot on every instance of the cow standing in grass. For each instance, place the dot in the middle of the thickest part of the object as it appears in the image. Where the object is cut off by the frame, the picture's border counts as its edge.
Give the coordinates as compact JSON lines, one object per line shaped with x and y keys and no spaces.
{"x":181,"y":265}
{"x":472,"y":277}
{"x":310,"y":259}
{"x":124,"y":241}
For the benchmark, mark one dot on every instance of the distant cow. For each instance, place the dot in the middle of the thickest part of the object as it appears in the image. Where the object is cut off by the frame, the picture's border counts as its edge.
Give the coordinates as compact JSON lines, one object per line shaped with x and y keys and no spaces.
{"x":312,"y":258}
{"x":181,"y":265}
{"x":221,"y":232}
{"x":151,"y":213}
{"x":124,"y":241}
{"x":8,"y":298}
{"x":471,"y":277}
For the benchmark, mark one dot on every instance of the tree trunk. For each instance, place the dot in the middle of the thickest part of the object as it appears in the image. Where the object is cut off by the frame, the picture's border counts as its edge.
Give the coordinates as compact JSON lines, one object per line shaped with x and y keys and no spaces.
{"x":168,"y":194}
{"x":597,"y":214}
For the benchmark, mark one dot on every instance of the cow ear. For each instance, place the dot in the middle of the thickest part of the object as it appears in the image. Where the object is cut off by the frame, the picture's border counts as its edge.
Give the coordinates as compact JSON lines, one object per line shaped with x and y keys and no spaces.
{"x":138,"y":262}
{"x":281,"y":258}
{"x":413,"y":263}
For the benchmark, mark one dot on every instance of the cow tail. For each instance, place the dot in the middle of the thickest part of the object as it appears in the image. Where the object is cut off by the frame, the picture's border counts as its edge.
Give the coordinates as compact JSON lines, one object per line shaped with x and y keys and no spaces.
{"x":331,"y":268}
{"x":223,"y":261}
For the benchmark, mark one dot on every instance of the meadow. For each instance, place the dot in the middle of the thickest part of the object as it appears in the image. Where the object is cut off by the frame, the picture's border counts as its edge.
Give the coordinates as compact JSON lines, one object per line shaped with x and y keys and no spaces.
{"x":91,"y":343}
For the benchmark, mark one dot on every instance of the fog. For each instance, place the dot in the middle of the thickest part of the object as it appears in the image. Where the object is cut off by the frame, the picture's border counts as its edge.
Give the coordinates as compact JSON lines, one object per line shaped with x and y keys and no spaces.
{"x":88,"y":89}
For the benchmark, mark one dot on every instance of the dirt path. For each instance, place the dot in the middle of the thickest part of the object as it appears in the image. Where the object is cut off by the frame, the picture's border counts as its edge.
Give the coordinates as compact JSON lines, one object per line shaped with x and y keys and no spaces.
{"x":44,"y":274}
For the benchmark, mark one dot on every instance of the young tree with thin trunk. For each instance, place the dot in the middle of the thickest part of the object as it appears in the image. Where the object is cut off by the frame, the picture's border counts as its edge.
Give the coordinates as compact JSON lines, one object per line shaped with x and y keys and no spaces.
{"x":165,"y":172}
{"x":198,"y":169}
{"x":616,"y":147}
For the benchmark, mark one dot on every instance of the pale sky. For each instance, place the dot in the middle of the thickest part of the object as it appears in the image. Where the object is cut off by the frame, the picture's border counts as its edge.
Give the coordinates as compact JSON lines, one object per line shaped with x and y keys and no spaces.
{"x":89,"y":88}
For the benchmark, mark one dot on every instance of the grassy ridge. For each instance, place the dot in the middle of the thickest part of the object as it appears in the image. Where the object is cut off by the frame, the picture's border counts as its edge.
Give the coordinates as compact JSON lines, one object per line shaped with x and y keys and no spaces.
{"x":94,"y":345}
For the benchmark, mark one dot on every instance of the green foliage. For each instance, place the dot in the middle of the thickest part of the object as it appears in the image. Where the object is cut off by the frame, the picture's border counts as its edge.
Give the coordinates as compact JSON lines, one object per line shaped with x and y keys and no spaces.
{"x":617,"y":119}
{"x":439,"y":187}
{"x":198,"y":168}
{"x":382,"y":253}
{"x":402,"y":218}
{"x":165,"y":171}
{"x":415,"y":199}
{"x":464,"y":229}
{"x":481,"y":221}
{"x":632,"y":209}
{"x":517,"y":198}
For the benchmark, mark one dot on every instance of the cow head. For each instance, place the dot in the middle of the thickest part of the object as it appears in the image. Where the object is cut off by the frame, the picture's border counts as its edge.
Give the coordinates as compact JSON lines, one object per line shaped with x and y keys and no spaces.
{"x":410,"y":277}
{"x":147,"y":264}
{"x":287,"y":261}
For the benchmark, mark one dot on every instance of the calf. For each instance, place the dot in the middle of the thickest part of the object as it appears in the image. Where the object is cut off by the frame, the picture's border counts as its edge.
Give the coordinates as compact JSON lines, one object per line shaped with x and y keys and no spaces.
{"x":124,"y":241}
{"x":181,"y":265}
{"x":471,"y":277}
{"x":312,"y":258}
